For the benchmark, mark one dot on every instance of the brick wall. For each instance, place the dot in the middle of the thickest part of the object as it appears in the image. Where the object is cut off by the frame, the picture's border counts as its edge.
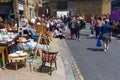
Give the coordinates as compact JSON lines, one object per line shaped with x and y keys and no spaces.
{"x":86,"y":7}
{"x":53,"y":8}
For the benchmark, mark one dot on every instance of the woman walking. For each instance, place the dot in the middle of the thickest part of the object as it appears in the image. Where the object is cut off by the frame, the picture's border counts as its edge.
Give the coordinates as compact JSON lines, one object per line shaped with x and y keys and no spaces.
{"x":72,"y":27}
{"x":78,"y":27}
{"x":106,"y":33}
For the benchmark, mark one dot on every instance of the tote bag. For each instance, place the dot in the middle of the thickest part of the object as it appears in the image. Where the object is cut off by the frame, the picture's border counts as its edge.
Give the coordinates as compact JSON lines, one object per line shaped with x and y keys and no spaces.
{"x":98,"y":42}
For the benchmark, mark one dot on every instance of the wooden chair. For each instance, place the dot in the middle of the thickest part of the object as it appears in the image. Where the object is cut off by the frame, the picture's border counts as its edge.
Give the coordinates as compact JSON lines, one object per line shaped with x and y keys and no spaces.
{"x":45,"y":33}
{"x":38,"y":28}
{"x":49,"y":57}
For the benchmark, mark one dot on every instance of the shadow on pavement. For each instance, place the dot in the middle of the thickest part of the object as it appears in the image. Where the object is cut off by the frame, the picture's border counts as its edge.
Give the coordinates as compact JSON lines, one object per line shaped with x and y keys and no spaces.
{"x":95,"y":49}
{"x":11,"y":66}
{"x":69,"y":39}
{"x":84,"y":34}
{"x":90,"y":37}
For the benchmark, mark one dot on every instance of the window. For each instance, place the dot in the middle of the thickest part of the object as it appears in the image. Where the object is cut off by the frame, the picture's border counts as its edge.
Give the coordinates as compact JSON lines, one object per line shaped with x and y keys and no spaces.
{"x":62,"y":5}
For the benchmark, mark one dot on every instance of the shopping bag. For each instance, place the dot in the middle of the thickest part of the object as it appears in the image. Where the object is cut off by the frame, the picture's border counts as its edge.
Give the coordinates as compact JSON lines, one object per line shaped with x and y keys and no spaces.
{"x":98,"y":42}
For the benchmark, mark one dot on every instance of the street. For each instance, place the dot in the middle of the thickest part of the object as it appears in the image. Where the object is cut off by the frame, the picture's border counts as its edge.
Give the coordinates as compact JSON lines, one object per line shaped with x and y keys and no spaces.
{"x":93,"y":62}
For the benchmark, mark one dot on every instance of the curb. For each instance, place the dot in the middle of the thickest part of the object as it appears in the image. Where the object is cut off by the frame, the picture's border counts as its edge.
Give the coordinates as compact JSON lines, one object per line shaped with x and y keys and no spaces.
{"x":70,"y":63}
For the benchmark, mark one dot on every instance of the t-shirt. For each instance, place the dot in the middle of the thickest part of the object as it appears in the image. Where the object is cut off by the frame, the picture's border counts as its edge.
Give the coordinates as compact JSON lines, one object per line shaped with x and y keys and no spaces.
{"x":106,"y":28}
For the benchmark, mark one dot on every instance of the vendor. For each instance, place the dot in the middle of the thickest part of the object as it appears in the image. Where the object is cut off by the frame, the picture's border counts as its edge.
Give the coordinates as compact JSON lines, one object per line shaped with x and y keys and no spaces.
{"x":32,"y":33}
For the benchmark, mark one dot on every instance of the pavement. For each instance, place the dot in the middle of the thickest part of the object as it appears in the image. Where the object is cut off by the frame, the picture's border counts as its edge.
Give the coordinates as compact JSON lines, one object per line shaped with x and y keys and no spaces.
{"x":66,"y":67}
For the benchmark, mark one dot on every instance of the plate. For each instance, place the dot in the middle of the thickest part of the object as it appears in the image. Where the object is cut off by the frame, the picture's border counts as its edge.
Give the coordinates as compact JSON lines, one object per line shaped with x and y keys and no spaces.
{"x":14,"y":55}
{"x":19,"y":52}
{"x":23,"y":54}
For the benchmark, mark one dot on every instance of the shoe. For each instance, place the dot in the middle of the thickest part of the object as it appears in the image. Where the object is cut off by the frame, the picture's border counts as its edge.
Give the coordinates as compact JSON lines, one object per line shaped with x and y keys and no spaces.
{"x":79,"y":39}
{"x":105,"y":50}
{"x":90,"y":34}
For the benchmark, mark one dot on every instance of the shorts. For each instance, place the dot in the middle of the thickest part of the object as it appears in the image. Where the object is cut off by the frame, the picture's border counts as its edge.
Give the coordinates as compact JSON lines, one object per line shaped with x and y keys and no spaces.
{"x":106,"y":37}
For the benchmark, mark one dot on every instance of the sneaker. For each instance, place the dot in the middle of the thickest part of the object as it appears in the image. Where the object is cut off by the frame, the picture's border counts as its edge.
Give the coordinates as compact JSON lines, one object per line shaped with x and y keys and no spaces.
{"x":105,"y":50}
{"x":79,"y":39}
{"x":91,"y":35}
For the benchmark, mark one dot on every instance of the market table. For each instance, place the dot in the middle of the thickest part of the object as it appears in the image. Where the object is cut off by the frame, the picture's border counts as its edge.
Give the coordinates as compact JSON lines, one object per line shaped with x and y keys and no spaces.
{"x":6,"y":49}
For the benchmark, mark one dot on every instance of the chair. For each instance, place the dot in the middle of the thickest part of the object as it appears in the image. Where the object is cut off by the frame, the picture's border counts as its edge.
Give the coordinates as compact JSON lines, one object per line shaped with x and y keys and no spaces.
{"x":49,"y":57}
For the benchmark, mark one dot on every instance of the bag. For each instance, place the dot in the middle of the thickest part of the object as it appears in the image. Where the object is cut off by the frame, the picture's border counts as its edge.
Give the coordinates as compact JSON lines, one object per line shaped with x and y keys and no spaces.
{"x":98,"y":43}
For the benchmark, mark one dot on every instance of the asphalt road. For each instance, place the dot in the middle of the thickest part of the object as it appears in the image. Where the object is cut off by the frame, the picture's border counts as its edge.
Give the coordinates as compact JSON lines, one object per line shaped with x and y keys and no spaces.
{"x":93,"y":62}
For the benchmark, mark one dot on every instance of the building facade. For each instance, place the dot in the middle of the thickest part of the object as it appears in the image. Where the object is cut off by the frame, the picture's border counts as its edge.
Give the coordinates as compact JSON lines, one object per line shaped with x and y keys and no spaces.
{"x":86,"y":7}
{"x":16,"y":8}
{"x":115,"y":5}
{"x":115,"y":11}
{"x":6,"y":8}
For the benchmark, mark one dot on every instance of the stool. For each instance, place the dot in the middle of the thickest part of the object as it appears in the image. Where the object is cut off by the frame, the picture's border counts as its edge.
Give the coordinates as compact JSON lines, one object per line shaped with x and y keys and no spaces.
{"x":18,"y":60}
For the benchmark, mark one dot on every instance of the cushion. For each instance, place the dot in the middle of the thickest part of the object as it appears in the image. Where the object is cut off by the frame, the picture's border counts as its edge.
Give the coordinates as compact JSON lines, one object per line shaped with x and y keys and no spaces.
{"x":48,"y":57}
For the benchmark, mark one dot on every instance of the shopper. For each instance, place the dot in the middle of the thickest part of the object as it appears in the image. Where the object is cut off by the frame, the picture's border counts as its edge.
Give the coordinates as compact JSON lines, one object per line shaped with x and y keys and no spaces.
{"x":106,"y":33}
{"x":78,"y":27}
{"x":72,"y":27}
{"x":98,"y":26}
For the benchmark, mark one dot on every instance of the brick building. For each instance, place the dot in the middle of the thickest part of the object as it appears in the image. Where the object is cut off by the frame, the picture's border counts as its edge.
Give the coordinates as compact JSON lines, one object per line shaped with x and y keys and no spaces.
{"x":86,"y":7}
{"x":115,"y":10}
{"x":16,"y":8}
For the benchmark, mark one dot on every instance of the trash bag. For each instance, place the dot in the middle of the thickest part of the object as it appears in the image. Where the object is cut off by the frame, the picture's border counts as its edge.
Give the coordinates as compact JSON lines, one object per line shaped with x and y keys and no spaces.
{"x":98,"y":42}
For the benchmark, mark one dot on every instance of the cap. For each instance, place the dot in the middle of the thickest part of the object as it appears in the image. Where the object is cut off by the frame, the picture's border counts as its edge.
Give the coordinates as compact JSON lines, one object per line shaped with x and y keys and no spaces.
{"x":107,"y":20}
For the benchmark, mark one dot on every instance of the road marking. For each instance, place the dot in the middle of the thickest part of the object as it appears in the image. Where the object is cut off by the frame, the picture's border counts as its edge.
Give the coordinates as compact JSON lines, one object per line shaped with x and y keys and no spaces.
{"x":80,"y":76}
{"x":65,"y":43}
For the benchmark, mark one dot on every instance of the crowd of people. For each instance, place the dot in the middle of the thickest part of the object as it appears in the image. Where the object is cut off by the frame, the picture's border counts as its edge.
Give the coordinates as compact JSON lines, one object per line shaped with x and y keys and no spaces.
{"x":99,"y":26}
{"x":102,"y":28}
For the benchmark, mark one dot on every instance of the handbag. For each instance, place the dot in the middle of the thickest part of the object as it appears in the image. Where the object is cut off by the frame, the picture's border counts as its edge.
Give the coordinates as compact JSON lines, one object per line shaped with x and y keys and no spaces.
{"x":98,"y":42}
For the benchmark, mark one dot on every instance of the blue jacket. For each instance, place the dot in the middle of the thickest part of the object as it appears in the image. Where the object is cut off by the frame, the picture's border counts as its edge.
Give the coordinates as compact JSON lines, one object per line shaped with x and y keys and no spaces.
{"x":106,"y":28}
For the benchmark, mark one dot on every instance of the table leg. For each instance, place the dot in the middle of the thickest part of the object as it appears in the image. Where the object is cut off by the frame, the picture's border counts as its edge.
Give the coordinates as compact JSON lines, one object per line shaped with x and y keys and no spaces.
{"x":10,"y":61}
{"x":3,"y":59}
{"x":25,"y":63}
{"x":6,"y":49}
{"x":16,"y":65}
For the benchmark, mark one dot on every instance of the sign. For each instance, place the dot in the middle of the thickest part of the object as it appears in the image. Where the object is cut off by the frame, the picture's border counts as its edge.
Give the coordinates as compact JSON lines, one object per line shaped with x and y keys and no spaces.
{"x":20,"y":7}
{"x":62,"y":13}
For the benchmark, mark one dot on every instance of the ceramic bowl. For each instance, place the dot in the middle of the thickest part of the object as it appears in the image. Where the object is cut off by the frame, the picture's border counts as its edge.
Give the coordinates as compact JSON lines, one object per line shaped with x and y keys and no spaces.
{"x":19,"y":52}
{"x":13,"y":55}
{"x":23,"y":54}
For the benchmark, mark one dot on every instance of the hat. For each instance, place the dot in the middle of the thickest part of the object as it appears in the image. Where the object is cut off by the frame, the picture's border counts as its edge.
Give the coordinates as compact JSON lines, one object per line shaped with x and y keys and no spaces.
{"x":107,"y":20}
{"x":80,"y":17}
